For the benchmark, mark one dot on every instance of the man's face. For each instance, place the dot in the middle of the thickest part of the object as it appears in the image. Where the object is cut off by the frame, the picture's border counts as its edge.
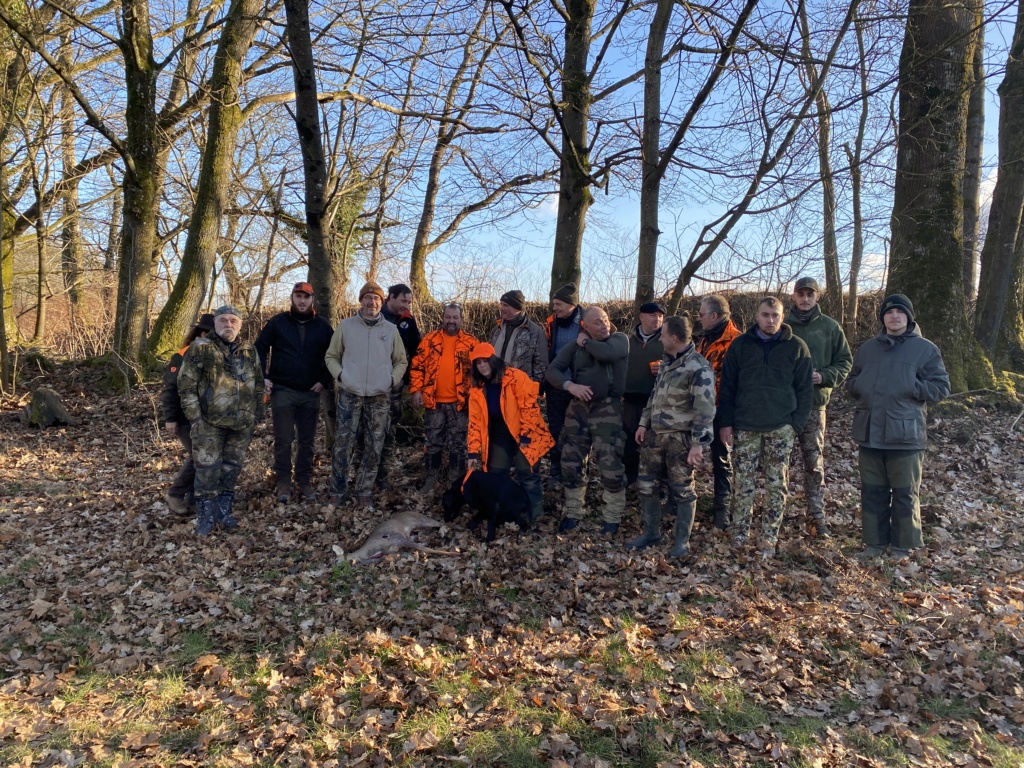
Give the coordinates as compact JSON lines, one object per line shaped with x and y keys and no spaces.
{"x":507,"y":311}
{"x":451,"y":321}
{"x":651,"y":321}
{"x":597,"y":325}
{"x":400,"y":304}
{"x":895,"y":321}
{"x":708,"y":319}
{"x":228,"y":327}
{"x":805,"y":299}
{"x":769,"y":319}
{"x":302,"y":301}
{"x":562,"y":309}
{"x":673,"y":344}
{"x":369,"y":305}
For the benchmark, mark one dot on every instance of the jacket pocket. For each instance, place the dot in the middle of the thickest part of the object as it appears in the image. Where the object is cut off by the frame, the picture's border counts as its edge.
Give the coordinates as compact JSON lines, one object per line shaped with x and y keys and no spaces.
{"x":904,"y":426}
{"x":861,"y":425}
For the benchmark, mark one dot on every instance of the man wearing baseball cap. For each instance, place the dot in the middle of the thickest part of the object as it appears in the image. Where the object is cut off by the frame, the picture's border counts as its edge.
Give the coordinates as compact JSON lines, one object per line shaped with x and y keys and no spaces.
{"x":291,"y":347}
{"x":367,"y":361}
{"x":219,"y":386}
{"x":832,"y":362}
{"x":895,"y":375}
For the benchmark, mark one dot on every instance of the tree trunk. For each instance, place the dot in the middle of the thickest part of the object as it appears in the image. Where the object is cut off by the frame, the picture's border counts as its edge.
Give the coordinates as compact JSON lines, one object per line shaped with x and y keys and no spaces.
{"x":314,"y":163}
{"x":40,"y":325}
{"x":6,"y":373}
{"x":935,"y":78}
{"x":225,"y":120}
{"x":1004,"y":218}
{"x":1010,"y":348}
{"x":574,"y":196}
{"x":972,"y":170}
{"x":70,"y":236}
{"x":650,"y":154}
{"x":855,"y":157}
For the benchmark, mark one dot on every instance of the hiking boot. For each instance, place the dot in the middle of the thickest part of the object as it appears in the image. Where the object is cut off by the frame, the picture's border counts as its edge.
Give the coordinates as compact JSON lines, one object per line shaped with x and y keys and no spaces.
{"x":899,"y":553}
{"x":283,"y":492}
{"x":821,"y":527}
{"x":684,"y":524}
{"x":223,"y":514}
{"x":721,"y":520}
{"x":176,"y":504}
{"x":432,"y":471}
{"x":306,"y":493}
{"x":610,"y":529}
{"x":650,"y":511}
{"x":337,"y":499}
{"x":365,"y":500}
{"x":869,"y":553}
{"x":206,"y":516}
{"x":568,"y":524}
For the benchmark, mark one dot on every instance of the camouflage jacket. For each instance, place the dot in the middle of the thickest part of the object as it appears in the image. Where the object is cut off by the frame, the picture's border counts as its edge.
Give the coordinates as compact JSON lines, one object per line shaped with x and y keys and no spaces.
{"x":527,"y":349}
{"x":221,"y":383}
{"x":683,"y":399}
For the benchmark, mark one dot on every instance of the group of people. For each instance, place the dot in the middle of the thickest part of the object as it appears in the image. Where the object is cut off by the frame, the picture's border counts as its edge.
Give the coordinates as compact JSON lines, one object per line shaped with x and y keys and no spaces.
{"x":640,"y":407}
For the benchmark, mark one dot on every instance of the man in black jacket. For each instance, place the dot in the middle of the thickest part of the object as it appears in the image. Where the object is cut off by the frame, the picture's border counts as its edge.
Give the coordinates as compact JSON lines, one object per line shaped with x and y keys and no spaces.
{"x":295,"y":342}
{"x":764,"y":400}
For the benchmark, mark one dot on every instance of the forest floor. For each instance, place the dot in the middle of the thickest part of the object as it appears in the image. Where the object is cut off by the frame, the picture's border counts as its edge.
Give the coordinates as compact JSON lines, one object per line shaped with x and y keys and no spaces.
{"x":125,"y":640}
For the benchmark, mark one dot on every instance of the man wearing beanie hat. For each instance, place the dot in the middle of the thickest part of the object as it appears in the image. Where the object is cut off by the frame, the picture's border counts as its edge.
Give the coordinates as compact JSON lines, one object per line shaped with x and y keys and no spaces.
{"x":291,"y":347}
{"x":518,"y":340}
{"x":562,"y":327}
{"x":367,"y":359}
{"x":645,"y":353}
{"x":895,"y":375}
{"x":176,"y":422}
{"x":832,"y":362}
{"x":220,"y":384}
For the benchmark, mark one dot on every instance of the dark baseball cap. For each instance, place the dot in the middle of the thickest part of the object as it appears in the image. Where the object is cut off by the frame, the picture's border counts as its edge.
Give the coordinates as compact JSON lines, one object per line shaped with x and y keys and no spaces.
{"x":652,"y":307}
{"x":806,"y":282}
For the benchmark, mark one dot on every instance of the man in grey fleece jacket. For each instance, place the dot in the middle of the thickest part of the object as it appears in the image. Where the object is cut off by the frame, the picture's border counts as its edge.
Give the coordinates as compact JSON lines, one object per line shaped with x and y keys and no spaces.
{"x":367,"y":359}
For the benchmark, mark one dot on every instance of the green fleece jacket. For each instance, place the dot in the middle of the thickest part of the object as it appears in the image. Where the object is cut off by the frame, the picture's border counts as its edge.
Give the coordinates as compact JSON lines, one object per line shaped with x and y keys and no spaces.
{"x":601,"y":365}
{"x":829,"y":350}
{"x":766,"y":384}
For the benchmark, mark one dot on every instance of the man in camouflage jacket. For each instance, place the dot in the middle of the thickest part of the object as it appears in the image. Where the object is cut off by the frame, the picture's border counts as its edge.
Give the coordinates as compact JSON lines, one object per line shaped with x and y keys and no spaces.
{"x":220,"y":383}
{"x":677,"y":422}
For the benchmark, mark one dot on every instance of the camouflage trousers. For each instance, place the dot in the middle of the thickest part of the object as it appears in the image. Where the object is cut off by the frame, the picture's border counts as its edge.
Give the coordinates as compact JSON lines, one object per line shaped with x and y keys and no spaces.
{"x":595,"y":426}
{"x":218,"y":454}
{"x":388,"y":451}
{"x":663,"y":459}
{"x":812,"y":446}
{"x":445,"y":427}
{"x":772,"y":449}
{"x":359,"y":416}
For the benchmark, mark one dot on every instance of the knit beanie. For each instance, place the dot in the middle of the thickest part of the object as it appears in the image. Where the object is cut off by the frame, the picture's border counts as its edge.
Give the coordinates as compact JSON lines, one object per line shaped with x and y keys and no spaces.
{"x":567,"y":293}
{"x":514,"y":299}
{"x":372,"y":287}
{"x":897,"y":301}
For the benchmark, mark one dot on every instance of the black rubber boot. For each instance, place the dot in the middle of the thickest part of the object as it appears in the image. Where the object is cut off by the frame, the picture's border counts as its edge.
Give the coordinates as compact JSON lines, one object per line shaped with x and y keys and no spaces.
{"x":684,"y":523}
{"x":456,"y":466}
{"x":206,"y":516}
{"x":650,"y":511}
{"x":431,"y":470}
{"x":224,"y":516}
{"x":721,"y":516}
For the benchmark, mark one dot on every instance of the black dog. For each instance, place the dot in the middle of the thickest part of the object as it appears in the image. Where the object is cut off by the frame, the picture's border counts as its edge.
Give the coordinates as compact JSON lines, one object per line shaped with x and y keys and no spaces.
{"x":495,"y":497}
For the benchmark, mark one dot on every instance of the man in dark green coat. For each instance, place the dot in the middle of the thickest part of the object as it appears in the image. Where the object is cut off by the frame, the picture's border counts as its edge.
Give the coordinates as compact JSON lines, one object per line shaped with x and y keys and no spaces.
{"x":832,"y":362}
{"x":895,"y":375}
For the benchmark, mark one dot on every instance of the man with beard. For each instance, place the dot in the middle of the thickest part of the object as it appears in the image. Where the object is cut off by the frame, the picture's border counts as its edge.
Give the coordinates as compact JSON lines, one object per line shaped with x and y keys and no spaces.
{"x":367,"y":360}
{"x":439,"y":383}
{"x":645,"y":353}
{"x":294,"y":343}
{"x":220,"y":394}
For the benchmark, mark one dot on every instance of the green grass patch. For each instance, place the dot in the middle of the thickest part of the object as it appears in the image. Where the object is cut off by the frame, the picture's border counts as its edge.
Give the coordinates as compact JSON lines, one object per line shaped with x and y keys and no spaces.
{"x":512,"y":747}
{"x":192,"y":645}
{"x":948,"y":708}
{"x":802,"y":733}
{"x":1002,"y":755}
{"x":880,"y":747}
{"x":726,"y":707}
{"x":692,"y":665}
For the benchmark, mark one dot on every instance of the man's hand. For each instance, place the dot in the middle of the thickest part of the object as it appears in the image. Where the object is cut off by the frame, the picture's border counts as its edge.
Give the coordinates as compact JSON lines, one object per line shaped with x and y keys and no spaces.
{"x":816,"y":377}
{"x":582,"y":339}
{"x":268,"y":386}
{"x":172,"y":428}
{"x":417,"y":400}
{"x":318,"y":388}
{"x":641,"y":434}
{"x":696,"y":456}
{"x":580,"y":392}
{"x":725,"y":435}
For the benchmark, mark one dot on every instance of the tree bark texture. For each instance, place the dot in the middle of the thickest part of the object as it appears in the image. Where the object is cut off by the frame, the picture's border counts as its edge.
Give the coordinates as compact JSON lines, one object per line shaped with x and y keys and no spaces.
{"x":1004,"y":220}
{"x":314,"y":163}
{"x":855,"y":157}
{"x":225,"y":120}
{"x":574,"y":196}
{"x":1010,"y":347}
{"x":936,"y":74}
{"x":650,"y":154}
{"x":70,"y":235}
{"x":972,"y":169}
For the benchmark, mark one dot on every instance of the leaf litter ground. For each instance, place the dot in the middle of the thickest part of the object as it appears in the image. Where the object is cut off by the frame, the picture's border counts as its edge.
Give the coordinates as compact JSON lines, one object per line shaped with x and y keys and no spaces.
{"x":127,"y":641}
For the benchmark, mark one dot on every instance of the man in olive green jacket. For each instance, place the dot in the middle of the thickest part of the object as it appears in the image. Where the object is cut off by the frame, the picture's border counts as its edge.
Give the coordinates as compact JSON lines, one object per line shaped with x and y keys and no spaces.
{"x":832,"y":362}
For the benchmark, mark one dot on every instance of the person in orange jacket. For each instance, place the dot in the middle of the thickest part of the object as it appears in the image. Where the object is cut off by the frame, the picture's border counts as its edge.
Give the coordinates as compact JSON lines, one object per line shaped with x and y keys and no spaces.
{"x":506,"y":428}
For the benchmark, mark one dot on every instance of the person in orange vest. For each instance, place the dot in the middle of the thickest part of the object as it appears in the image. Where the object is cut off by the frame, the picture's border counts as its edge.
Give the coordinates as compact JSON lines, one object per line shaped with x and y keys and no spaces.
{"x":176,"y":422}
{"x":719,"y":332}
{"x":506,"y":428}
{"x":439,"y":383}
